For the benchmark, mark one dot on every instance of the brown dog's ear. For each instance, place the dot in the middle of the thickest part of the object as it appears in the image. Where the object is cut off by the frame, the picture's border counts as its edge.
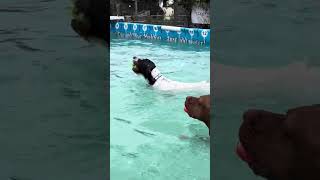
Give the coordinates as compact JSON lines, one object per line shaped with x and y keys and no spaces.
{"x":205,"y":101}
{"x":303,"y":108}
{"x":303,"y":123}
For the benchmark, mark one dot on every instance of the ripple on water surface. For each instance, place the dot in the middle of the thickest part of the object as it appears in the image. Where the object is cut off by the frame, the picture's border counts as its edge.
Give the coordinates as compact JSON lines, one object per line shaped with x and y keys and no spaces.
{"x":151,"y":136}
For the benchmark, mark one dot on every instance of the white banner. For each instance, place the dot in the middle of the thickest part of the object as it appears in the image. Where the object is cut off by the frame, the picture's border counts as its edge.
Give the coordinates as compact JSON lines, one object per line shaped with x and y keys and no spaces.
{"x":200,"y":14}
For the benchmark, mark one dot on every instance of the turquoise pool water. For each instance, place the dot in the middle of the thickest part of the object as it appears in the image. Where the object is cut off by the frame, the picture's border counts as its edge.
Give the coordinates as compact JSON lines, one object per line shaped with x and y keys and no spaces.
{"x":151,"y":137}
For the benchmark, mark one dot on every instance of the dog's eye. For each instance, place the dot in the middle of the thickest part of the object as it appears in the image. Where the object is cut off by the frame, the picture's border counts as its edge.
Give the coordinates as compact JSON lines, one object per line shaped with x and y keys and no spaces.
{"x":202,"y":105}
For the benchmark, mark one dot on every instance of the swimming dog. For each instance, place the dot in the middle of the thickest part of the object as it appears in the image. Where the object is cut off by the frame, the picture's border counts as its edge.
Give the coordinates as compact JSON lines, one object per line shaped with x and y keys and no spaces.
{"x":154,"y":78}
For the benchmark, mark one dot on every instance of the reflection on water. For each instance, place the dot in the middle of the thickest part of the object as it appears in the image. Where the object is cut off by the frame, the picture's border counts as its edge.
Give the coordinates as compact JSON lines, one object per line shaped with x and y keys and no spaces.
{"x":266,"y":57}
{"x":51,"y":85}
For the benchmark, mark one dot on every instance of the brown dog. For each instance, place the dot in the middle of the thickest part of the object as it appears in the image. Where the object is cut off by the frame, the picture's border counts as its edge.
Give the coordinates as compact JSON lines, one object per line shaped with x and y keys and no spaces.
{"x":198,"y":108}
{"x":282,"y":146}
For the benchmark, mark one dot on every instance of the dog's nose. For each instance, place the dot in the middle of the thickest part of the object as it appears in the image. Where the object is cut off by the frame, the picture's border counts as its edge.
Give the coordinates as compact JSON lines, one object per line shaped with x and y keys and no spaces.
{"x":190,"y":100}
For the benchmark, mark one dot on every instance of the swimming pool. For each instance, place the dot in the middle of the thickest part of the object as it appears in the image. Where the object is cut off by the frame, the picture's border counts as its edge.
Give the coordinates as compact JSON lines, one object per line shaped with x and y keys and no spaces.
{"x":151,"y":137}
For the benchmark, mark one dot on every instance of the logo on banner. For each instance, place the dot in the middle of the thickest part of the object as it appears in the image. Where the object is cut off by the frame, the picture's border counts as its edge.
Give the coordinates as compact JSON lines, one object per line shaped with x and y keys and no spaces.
{"x":155,"y":28}
{"x":204,"y":33}
{"x":135,"y":27}
{"x":191,"y":32}
{"x":125,"y":26}
{"x":144,"y":27}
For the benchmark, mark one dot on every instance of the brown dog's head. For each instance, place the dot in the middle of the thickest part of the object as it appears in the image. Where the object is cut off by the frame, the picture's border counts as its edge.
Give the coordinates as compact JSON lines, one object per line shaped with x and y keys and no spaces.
{"x":282,"y":146}
{"x":198,"y":108}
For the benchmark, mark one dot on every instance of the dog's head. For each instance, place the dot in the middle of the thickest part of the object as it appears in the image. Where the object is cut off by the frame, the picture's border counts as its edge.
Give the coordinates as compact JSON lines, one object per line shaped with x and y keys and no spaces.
{"x":91,"y":19}
{"x":198,"y":108}
{"x":144,"y":67}
{"x":282,"y":146}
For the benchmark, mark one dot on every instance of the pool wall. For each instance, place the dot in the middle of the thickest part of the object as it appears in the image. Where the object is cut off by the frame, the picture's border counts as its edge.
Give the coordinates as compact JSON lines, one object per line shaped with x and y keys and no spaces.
{"x":162,"y":33}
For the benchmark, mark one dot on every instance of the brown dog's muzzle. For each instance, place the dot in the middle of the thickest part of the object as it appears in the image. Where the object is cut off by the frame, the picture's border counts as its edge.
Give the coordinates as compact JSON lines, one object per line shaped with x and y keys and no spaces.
{"x":189,"y":100}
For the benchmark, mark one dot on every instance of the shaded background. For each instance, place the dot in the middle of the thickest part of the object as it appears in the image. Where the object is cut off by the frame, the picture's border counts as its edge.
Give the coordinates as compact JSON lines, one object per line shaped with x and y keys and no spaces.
{"x":265,"y":55}
{"x":53,"y":121}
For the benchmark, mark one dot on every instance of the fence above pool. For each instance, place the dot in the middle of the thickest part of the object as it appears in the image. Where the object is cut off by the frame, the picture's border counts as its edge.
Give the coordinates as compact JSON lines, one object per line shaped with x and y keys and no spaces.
{"x":160,"y":32}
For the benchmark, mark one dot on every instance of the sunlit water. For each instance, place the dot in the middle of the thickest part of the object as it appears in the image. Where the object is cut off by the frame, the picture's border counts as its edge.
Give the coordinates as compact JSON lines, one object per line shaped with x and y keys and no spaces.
{"x":151,"y":136}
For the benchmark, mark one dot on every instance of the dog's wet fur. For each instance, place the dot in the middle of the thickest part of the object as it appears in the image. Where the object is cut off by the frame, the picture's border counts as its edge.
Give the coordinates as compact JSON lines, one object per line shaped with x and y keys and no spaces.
{"x":144,"y":67}
{"x":91,"y":19}
{"x":199,"y":108}
{"x":149,"y":71}
{"x":282,"y":146}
